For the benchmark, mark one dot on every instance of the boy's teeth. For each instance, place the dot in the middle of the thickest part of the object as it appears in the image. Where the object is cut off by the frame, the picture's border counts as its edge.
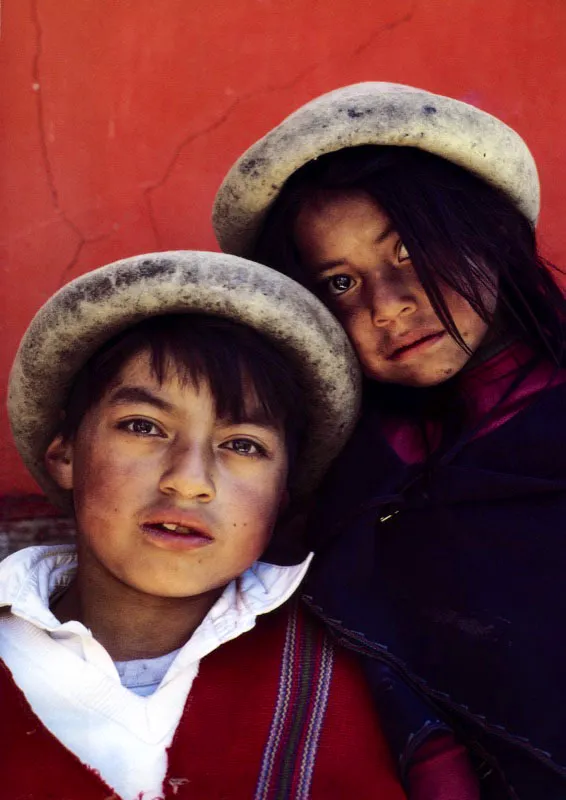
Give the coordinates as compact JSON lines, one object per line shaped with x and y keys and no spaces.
{"x":171,"y":526}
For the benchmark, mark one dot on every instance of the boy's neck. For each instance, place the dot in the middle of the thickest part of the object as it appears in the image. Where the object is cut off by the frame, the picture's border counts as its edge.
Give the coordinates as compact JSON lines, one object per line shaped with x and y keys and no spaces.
{"x":131,"y":624}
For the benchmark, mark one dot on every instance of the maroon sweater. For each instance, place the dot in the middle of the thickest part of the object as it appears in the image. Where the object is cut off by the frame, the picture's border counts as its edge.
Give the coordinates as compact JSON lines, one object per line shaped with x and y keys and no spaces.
{"x":276,"y":713}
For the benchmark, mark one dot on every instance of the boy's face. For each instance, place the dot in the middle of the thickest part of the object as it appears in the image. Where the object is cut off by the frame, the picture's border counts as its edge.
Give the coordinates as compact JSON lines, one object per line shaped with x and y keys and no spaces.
{"x":147,"y":458}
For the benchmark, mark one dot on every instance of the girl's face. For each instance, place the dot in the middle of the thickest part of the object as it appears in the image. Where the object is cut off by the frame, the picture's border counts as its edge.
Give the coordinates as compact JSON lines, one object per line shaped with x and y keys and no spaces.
{"x":364,"y":275}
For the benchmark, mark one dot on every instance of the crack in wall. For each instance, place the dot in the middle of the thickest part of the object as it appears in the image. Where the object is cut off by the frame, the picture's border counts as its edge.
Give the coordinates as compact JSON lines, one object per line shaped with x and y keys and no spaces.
{"x":191,"y":137}
{"x":406,"y":18}
{"x":36,"y":86}
{"x":82,"y":239}
{"x":390,"y":26}
{"x":64,"y":276}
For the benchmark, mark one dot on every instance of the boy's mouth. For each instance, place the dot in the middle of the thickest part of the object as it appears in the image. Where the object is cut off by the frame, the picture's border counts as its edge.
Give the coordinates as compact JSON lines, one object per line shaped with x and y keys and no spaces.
{"x":188,"y":532}
{"x":171,"y":527}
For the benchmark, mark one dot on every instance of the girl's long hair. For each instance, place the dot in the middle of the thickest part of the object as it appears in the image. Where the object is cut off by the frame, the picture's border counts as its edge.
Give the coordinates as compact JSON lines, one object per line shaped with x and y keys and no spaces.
{"x":459,"y":231}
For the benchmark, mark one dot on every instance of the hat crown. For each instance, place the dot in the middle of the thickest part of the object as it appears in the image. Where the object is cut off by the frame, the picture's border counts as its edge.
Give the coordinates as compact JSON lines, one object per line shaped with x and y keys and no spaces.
{"x":69,"y":328}
{"x":375,"y":113}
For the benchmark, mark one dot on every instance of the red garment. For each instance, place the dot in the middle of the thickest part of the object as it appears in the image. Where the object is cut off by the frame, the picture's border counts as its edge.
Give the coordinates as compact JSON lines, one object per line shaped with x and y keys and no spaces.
{"x":276,"y":713}
{"x":441,"y":770}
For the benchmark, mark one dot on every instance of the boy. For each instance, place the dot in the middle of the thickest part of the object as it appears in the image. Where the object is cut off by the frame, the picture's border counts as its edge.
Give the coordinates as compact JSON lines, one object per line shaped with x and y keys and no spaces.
{"x":175,"y":401}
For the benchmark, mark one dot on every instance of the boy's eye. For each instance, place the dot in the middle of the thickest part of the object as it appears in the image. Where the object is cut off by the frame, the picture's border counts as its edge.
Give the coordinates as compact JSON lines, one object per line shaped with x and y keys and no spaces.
{"x":245,"y":447}
{"x":402,"y":253}
{"x":338,"y":284}
{"x":141,"y":427}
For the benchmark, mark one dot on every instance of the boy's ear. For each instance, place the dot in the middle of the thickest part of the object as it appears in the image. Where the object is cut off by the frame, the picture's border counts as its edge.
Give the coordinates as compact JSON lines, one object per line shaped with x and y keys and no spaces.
{"x":59,"y":462}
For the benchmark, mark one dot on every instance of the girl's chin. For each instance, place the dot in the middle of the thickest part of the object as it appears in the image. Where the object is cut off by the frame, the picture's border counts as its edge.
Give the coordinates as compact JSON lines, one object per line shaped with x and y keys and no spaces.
{"x":418,"y":376}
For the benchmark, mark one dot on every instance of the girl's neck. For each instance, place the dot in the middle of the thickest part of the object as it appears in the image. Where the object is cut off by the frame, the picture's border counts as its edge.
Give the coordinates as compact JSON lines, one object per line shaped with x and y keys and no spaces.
{"x":493,"y":344}
{"x":446,"y":400}
{"x":419,"y":422}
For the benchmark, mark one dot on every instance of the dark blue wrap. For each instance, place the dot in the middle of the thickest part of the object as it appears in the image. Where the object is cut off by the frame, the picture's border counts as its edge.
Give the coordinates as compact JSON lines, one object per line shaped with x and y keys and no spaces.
{"x":454,"y":579}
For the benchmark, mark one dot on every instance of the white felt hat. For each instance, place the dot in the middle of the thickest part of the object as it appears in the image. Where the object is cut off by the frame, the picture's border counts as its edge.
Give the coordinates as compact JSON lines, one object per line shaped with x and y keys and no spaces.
{"x":87,"y":312}
{"x":379,"y":114}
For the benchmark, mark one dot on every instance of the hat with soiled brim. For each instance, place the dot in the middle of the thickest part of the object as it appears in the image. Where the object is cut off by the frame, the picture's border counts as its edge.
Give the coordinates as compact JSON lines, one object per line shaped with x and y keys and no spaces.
{"x":379,"y":114}
{"x":90,"y":310}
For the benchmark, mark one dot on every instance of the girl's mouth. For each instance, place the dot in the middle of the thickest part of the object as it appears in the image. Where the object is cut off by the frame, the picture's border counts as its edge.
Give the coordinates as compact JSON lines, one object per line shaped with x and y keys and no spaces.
{"x":417,"y":346}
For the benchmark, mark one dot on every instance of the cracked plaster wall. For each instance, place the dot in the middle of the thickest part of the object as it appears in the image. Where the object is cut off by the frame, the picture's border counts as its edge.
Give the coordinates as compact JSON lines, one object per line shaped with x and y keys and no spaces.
{"x":121,"y":118}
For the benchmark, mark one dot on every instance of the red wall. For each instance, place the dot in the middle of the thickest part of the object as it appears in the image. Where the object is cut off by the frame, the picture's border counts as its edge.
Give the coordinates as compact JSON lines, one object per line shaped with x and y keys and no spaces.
{"x":122,"y":115}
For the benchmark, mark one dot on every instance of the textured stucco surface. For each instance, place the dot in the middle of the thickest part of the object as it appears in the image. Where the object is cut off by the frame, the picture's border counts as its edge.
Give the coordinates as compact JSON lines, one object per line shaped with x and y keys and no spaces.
{"x":122,"y":118}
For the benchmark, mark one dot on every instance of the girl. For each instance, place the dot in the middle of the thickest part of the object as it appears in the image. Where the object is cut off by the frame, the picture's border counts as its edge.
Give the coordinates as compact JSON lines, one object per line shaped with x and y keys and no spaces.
{"x":439,"y":529}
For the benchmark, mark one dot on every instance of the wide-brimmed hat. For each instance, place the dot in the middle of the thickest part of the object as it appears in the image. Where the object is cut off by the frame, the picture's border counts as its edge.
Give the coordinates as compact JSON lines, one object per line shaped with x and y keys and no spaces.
{"x":379,"y":114}
{"x":87,"y":312}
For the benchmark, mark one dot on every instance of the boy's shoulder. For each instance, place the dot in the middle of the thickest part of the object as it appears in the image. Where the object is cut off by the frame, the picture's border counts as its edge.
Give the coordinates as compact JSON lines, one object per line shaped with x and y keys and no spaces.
{"x":293,"y":648}
{"x":302,"y":700}
{"x":281,"y":705}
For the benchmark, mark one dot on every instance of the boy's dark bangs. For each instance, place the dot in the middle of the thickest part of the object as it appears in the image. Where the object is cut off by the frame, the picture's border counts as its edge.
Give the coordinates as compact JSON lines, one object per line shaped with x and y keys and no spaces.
{"x":248,"y":376}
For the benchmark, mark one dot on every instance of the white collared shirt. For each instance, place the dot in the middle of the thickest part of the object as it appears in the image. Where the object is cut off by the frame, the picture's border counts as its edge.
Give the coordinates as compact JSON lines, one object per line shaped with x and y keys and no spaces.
{"x":73,"y":685}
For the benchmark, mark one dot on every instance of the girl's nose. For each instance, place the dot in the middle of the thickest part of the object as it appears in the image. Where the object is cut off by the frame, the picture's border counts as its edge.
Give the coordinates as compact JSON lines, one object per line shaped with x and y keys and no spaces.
{"x":188,"y":475}
{"x":389,"y":302}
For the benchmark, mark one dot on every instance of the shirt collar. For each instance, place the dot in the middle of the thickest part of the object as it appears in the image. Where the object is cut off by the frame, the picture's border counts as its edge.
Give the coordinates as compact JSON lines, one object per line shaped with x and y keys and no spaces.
{"x":30,"y":577}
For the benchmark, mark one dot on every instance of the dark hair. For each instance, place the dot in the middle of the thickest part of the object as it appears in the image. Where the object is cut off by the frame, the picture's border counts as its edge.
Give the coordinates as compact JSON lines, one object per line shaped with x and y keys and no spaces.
{"x":458,"y":229}
{"x":230,"y":357}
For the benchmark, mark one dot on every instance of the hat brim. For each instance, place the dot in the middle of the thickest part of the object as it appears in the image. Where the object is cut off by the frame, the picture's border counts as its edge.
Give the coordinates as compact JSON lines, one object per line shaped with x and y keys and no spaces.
{"x":87,"y":312}
{"x":371,"y":113}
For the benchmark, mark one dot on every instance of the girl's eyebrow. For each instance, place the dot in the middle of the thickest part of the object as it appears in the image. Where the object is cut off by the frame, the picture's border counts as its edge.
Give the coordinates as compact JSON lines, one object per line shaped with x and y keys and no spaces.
{"x":385,"y":233}
{"x":138,"y":394}
{"x":340,"y":262}
{"x":324,"y":265}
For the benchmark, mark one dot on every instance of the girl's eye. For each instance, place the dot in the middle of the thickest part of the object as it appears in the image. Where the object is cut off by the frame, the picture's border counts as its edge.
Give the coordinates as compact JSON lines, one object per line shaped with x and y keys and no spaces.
{"x":338,"y":284}
{"x":141,"y":427}
{"x":402,"y":253}
{"x":245,"y":447}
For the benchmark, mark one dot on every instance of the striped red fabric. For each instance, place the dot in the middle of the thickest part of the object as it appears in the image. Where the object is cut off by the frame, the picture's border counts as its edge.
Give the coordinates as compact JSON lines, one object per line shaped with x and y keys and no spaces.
{"x":276,"y":714}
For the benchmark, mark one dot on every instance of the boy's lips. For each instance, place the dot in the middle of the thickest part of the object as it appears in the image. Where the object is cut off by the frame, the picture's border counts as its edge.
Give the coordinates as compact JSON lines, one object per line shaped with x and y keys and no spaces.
{"x":184,"y":528}
{"x":415,"y":343}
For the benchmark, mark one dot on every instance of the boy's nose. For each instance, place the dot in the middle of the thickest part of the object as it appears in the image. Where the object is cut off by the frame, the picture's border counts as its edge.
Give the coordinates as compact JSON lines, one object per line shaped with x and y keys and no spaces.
{"x":189,"y":475}
{"x":389,"y":302}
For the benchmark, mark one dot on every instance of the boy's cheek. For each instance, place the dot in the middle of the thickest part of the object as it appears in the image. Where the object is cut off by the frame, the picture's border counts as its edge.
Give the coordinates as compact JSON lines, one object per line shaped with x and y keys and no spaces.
{"x":265,"y":496}
{"x":101,"y":479}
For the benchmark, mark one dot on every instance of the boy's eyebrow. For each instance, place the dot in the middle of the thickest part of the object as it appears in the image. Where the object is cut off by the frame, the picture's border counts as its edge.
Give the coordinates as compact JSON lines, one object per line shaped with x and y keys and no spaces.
{"x":137,"y":394}
{"x":255,"y":417}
